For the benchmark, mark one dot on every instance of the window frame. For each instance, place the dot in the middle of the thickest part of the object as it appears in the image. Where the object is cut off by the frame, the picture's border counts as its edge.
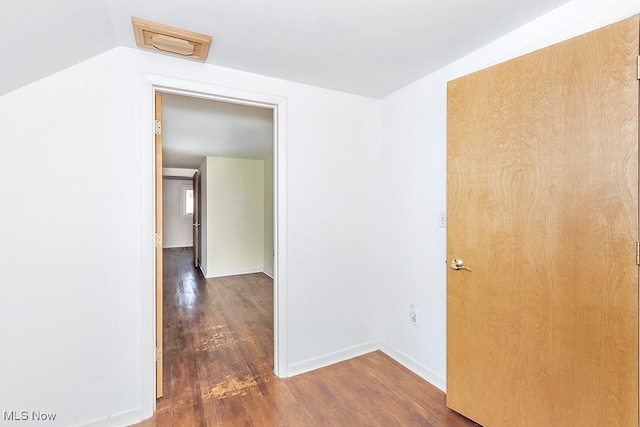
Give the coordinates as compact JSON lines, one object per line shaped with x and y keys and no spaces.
{"x":184,"y":189}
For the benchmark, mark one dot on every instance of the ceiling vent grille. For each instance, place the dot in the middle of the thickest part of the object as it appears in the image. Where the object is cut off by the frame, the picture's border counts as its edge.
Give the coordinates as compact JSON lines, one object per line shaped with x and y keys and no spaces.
{"x":166,"y":39}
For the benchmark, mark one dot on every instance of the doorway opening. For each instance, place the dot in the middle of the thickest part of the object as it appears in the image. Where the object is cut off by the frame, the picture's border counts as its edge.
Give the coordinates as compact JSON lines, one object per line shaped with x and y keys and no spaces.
{"x":150,"y":85}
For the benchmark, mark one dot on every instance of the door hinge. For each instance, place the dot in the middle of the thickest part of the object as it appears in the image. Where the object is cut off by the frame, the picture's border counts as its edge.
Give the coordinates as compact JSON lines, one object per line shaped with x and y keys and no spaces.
{"x":158,"y":127}
{"x":158,"y":353}
{"x":158,"y":240}
{"x":637,"y":253}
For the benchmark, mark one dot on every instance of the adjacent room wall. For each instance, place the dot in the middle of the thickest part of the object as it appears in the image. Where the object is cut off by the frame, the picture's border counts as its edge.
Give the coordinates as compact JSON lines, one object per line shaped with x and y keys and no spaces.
{"x":177,"y":230}
{"x":268,"y":217}
{"x":235,"y":216}
{"x":413,"y":192}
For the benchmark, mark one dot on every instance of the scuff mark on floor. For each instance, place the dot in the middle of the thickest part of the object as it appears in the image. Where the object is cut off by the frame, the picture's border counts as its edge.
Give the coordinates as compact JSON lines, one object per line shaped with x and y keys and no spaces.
{"x":219,"y":336}
{"x":232,"y":386}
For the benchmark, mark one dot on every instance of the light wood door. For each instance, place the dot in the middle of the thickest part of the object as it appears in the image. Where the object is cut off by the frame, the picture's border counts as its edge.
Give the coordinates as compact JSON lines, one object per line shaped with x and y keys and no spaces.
{"x":542,"y":201}
{"x":159,"y":270}
{"x":196,"y":221}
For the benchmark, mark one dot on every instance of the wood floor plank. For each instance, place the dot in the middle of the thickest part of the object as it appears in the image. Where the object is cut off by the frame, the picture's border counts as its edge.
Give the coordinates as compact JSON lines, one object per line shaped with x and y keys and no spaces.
{"x":219,"y":366}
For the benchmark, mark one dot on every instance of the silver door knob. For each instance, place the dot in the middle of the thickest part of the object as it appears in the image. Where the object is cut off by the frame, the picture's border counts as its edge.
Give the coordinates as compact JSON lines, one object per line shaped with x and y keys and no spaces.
{"x":458,"y":264}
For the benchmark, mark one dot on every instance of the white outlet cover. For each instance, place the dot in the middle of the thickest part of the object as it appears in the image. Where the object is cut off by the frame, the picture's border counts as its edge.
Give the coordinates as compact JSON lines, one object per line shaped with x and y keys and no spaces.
{"x":413,"y":315}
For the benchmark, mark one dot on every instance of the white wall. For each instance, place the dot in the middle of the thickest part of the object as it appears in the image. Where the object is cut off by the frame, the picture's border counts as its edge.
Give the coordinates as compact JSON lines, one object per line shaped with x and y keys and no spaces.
{"x":70,"y":310}
{"x":177,"y":230}
{"x":268,"y":217}
{"x":235,"y":216}
{"x":70,"y":313}
{"x":413,"y":172}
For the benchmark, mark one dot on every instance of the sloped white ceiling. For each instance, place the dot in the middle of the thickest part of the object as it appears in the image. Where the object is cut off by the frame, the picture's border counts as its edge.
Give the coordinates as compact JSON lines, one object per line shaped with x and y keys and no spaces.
{"x":41,"y":37}
{"x":366,"y":47}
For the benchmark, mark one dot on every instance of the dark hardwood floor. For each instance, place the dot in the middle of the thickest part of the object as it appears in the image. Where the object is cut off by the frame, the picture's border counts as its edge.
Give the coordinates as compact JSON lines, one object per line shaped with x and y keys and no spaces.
{"x":219,"y":362}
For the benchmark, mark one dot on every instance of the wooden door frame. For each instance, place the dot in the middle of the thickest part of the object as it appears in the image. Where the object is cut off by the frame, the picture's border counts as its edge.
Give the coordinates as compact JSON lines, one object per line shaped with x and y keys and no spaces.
{"x":150,"y":84}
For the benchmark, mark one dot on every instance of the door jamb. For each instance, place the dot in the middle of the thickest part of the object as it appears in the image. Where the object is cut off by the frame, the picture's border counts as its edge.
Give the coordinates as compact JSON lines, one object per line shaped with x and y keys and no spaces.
{"x":150,"y":84}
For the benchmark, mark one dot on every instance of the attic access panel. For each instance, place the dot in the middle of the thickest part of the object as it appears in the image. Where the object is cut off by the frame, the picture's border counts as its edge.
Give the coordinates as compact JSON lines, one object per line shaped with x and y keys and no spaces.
{"x":172,"y":40}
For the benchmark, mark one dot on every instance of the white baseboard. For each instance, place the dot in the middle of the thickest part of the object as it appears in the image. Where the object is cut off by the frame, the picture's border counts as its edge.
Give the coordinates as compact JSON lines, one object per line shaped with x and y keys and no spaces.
{"x":268,"y":273}
{"x":233,"y":273}
{"x":330,"y":359}
{"x":422,"y":371}
{"x":116,"y":420}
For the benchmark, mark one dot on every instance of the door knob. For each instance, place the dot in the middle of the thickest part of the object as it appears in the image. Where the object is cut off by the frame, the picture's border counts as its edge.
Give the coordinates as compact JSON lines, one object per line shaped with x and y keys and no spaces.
{"x":458,"y":264}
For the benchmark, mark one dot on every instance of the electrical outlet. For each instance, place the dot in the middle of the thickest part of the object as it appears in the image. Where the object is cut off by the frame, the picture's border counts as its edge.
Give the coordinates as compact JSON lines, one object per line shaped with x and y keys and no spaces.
{"x":442,"y":219}
{"x":413,"y":315}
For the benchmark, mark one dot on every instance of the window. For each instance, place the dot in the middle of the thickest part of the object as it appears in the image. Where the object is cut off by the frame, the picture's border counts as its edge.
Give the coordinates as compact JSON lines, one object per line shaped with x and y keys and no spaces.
{"x":187,"y":200}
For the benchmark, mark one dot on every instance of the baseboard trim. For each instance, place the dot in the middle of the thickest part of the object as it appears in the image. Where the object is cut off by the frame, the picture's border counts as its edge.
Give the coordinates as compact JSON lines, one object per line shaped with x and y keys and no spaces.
{"x":330,"y":359}
{"x":268,"y":273}
{"x":340,"y":356}
{"x":409,"y":363}
{"x":120,"y":419}
{"x":233,"y":273}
